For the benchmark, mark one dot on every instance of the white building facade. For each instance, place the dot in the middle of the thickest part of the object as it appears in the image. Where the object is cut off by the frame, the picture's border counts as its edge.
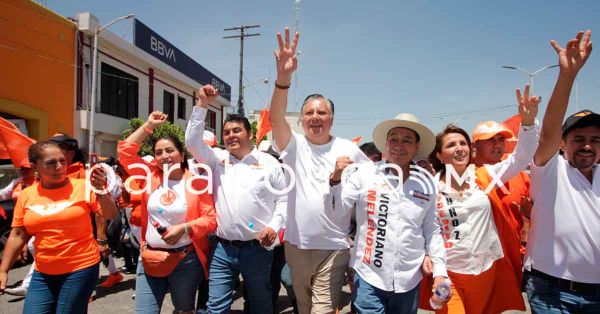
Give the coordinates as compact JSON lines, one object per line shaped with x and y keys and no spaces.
{"x":135,"y":79}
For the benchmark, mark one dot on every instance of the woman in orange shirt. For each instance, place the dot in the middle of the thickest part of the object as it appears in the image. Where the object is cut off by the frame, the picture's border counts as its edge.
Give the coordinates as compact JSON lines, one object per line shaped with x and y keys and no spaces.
{"x":56,"y":211}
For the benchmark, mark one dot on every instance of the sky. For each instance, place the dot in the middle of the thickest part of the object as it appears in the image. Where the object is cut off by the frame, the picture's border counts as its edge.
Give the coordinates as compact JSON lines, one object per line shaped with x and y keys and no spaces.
{"x":439,"y":60}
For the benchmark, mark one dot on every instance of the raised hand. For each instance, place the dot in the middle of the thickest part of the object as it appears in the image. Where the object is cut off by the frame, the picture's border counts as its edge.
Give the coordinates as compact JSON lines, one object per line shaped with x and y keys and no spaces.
{"x":285,"y":56}
{"x":528,"y":106}
{"x":155,"y":119}
{"x":572,"y":58}
{"x":206,"y":95}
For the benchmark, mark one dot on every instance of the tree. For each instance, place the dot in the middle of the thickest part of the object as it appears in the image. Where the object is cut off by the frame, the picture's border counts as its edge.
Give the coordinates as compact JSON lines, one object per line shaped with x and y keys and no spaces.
{"x":253,"y":128}
{"x":166,"y":129}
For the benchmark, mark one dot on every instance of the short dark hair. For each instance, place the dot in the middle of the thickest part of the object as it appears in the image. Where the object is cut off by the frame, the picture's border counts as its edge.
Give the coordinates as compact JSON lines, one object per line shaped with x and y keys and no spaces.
{"x":178,"y":145}
{"x":370,"y":149}
{"x":239,"y":119}
{"x":34,"y":153}
{"x":318,"y":96}
{"x":439,"y":138}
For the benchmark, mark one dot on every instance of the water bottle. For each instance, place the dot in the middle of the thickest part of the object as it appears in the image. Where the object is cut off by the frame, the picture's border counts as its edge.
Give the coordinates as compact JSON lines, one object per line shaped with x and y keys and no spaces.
{"x":270,"y":247}
{"x":442,"y":292}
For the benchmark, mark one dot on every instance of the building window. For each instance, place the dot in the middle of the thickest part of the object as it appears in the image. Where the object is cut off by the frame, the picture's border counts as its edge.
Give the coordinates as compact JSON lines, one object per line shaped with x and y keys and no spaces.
{"x":211,"y":121}
{"x":169,"y":105}
{"x":118,"y":93}
{"x":181,"y":108}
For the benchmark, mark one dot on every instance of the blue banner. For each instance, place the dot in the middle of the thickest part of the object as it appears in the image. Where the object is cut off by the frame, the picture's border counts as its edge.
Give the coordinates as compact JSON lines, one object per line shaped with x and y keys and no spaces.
{"x":154,"y":44}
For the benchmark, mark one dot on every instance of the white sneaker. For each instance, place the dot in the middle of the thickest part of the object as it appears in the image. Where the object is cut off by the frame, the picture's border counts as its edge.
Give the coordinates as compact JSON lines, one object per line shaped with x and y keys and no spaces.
{"x":18,"y":291}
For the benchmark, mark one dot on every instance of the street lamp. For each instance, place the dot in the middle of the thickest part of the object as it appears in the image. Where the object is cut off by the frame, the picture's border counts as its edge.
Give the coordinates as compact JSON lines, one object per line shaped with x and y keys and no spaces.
{"x":91,"y":139}
{"x":531,"y":75}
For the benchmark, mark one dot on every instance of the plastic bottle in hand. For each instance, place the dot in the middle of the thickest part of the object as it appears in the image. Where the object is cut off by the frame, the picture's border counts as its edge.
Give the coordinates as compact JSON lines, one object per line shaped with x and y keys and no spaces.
{"x":161,"y":230}
{"x":270,"y":247}
{"x":442,"y":292}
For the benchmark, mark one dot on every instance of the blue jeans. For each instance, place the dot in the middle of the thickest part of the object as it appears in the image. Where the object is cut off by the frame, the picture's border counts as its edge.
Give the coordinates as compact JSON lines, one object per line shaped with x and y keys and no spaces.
{"x":67,"y":293}
{"x":546,"y":297}
{"x":182,"y":282}
{"x":254,"y":263}
{"x":370,"y":300}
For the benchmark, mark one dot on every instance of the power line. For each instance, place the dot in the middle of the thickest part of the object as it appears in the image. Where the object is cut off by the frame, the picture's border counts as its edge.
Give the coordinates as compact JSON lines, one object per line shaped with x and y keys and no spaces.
{"x":241,"y":36}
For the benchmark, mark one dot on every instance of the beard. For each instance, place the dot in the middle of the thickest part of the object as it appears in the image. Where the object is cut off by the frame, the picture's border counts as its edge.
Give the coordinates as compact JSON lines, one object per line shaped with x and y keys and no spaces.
{"x":581,"y":162}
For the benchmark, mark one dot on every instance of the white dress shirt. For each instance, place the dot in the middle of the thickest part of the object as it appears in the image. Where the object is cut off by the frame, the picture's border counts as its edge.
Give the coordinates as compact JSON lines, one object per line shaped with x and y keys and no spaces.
{"x":244,"y":203}
{"x":394,"y":230}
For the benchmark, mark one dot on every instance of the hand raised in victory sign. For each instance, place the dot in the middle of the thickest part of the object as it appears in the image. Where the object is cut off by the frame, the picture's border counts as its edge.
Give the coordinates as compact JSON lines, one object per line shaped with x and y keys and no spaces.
{"x":285,"y":56}
{"x":206,"y":95}
{"x":572,"y":58}
{"x":528,"y":106}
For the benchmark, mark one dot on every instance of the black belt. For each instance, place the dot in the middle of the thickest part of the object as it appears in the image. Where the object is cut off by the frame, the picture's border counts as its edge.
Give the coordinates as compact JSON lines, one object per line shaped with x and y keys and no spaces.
{"x":188,"y":248}
{"x":239,"y":243}
{"x":564,"y":284}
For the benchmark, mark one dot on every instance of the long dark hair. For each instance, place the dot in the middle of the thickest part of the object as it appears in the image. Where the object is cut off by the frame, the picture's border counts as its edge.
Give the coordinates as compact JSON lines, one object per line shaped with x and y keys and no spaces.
{"x":437,"y":164}
{"x":178,"y":145}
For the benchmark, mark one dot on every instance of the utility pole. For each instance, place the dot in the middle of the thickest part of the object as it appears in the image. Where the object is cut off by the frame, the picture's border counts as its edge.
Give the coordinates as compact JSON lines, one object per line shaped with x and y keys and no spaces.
{"x":241,"y":36}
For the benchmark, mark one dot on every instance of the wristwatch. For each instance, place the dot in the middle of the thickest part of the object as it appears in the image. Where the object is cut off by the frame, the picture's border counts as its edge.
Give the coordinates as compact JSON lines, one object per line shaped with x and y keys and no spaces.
{"x":102,"y":242}
{"x":527,"y":127}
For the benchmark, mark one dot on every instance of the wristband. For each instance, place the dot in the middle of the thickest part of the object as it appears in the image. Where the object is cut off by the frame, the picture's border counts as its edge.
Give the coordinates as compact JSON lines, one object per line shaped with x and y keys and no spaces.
{"x":148,"y":130}
{"x":185,"y":227}
{"x":282,"y":86}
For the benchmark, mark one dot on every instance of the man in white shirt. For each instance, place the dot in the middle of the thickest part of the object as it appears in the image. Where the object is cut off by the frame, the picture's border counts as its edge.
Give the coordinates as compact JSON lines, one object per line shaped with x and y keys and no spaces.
{"x":316,"y":247}
{"x":396,"y":219}
{"x":563,"y":253}
{"x":248,"y":187}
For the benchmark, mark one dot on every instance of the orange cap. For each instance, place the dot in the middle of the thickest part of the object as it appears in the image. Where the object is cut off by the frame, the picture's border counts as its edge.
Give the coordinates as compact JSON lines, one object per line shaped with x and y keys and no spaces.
{"x":488,"y":129}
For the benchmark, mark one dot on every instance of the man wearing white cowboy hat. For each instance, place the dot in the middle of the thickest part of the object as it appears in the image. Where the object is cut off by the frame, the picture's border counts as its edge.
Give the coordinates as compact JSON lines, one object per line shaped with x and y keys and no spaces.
{"x":396,"y":220}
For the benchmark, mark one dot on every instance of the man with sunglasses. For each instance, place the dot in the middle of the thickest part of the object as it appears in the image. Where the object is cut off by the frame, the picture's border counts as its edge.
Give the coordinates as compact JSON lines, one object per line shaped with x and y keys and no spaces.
{"x":316,"y":236}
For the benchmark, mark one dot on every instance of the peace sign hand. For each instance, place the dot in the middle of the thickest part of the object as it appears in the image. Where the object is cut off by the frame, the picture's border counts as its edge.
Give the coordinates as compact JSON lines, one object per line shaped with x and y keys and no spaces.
{"x":572,"y":58}
{"x":286,"y":58}
{"x":528,"y":106}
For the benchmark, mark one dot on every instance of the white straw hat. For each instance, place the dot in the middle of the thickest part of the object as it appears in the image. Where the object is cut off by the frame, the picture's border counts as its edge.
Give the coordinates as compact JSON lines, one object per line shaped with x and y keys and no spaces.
{"x":409,"y":121}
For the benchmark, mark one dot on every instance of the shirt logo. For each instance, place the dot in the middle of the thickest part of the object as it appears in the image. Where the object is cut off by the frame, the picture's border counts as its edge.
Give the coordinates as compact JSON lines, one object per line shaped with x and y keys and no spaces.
{"x":50,"y":209}
{"x":168,"y":197}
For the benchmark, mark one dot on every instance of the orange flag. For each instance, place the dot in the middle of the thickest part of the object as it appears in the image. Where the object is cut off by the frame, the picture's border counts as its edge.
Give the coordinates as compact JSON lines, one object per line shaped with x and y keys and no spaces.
{"x":357,"y":139}
{"x":263,"y":126}
{"x":513,"y":123}
{"x":14,"y":143}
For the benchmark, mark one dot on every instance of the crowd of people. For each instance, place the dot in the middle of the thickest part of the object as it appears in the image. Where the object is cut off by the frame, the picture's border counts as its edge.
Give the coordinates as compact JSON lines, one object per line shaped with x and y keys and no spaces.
{"x":398,"y":219}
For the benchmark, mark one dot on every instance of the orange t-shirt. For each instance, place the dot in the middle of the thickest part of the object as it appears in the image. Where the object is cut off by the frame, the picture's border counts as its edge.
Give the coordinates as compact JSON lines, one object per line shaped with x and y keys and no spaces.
{"x":60,"y":221}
